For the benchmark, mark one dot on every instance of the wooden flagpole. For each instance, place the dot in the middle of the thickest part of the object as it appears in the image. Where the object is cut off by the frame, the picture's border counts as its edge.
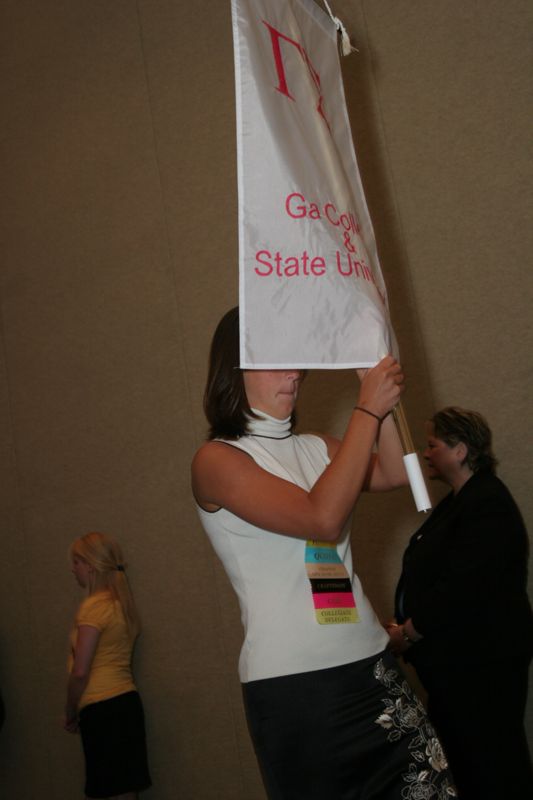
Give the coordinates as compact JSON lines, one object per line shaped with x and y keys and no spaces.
{"x":410,"y":460}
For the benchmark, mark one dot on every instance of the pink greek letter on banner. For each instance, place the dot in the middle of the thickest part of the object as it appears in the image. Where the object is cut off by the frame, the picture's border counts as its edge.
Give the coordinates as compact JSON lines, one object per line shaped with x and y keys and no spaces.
{"x":311,"y":292}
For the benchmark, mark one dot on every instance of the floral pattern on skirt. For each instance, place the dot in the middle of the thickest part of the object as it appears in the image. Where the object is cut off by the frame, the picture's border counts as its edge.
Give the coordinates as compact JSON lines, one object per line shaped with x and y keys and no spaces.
{"x":404,"y":714}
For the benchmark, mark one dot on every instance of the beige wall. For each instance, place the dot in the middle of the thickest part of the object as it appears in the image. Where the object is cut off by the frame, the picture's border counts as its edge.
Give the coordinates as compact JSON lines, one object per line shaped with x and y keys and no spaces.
{"x":119,"y":255}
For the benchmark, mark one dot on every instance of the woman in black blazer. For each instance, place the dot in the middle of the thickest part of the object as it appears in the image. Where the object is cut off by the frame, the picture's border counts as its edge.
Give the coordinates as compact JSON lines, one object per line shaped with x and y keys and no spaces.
{"x":463,"y":618}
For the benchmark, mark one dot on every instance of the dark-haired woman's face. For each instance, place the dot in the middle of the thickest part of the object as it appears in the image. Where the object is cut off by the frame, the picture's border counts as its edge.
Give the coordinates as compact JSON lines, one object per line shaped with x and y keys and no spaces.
{"x":443,"y":461}
{"x":272,"y":391}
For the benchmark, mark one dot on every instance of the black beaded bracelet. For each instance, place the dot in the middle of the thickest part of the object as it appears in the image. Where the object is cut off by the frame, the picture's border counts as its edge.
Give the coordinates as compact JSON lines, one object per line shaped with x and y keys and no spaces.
{"x":366,"y":411}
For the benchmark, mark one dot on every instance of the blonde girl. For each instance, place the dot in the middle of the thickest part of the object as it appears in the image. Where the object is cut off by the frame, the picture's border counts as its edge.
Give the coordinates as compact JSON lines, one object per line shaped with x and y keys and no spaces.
{"x":102,"y":699}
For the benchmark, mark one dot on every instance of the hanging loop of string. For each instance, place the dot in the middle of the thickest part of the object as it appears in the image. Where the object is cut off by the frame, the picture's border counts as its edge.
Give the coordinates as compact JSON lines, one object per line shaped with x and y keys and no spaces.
{"x":346,"y":44}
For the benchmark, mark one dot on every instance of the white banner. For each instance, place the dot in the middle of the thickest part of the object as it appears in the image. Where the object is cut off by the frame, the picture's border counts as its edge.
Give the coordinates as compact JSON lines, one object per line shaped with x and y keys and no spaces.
{"x":310,"y":285}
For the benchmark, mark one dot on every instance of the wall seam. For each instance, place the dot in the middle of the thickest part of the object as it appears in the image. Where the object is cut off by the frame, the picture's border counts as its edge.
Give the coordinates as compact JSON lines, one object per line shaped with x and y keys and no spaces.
{"x":20,"y":517}
{"x":168,"y":244}
{"x":396,"y":207}
{"x":170,"y":252}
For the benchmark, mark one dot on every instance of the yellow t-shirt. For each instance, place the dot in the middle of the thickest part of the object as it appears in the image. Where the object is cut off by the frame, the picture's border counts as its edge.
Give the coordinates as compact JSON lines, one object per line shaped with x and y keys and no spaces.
{"x":111,"y":667}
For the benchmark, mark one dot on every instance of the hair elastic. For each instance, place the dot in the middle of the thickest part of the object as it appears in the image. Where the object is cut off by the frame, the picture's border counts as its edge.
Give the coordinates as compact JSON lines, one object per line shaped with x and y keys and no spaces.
{"x":370,"y":413}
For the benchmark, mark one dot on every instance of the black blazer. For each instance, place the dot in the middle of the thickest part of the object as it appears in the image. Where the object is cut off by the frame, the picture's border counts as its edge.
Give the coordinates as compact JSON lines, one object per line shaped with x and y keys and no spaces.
{"x":464,"y":579}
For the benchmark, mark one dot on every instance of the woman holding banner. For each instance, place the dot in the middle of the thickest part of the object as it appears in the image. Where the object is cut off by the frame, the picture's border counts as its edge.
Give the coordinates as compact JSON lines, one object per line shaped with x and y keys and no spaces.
{"x":328,"y":712}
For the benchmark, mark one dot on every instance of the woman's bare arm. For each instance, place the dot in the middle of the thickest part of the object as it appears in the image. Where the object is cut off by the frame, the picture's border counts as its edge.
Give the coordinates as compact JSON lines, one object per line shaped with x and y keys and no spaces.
{"x":86,"y":643}
{"x":226,"y":477}
{"x":386,"y":468}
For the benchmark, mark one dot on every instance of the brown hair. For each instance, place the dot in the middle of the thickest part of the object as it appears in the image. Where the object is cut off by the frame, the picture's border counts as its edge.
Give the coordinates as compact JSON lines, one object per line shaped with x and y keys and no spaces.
{"x":104,"y":555}
{"x":454,"y":425}
{"x":225,"y":403}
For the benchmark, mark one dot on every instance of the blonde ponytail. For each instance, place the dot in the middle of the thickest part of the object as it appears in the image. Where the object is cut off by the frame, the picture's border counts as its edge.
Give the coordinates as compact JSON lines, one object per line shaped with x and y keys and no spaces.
{"x":104,"y":555}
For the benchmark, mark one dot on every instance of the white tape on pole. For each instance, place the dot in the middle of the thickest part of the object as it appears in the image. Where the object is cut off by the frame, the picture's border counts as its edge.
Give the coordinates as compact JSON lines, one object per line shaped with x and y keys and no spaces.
{"x":416,"y":480}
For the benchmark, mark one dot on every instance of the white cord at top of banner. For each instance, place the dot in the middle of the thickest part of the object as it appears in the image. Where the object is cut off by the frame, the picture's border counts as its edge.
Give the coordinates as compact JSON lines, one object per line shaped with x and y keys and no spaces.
{"x":346,"y":44}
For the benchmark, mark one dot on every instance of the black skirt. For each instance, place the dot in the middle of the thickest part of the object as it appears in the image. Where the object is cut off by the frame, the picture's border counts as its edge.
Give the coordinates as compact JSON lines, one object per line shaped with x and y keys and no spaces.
{"x":348,"y":732}
{"x":114,"y":744}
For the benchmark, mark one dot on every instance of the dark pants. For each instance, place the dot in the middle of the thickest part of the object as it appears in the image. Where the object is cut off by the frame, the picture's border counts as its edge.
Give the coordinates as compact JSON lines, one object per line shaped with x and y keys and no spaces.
{"x":478,"y":712}
{"x":354,"y":732}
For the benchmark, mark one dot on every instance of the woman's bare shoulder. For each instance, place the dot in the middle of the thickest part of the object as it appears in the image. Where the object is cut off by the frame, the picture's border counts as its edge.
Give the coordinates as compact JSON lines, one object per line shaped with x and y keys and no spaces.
{"x":215,"y":456}
{"x":218,"y":470}
{"x":215,"y":450}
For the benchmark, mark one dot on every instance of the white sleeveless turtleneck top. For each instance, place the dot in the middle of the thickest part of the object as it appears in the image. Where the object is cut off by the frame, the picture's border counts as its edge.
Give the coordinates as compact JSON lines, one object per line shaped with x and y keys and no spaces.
{"x":268,"y":571}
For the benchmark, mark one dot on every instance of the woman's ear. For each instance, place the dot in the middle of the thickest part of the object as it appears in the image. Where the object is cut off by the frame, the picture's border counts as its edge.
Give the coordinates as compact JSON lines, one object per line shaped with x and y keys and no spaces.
{"x":462,"y":452}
